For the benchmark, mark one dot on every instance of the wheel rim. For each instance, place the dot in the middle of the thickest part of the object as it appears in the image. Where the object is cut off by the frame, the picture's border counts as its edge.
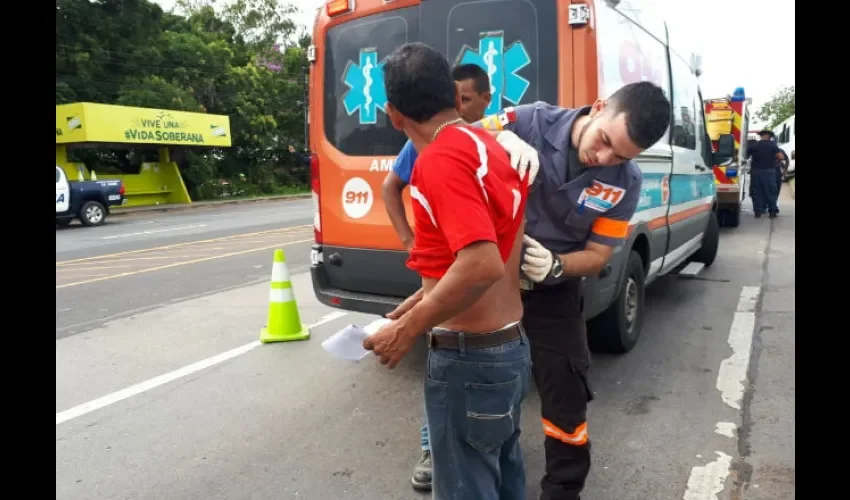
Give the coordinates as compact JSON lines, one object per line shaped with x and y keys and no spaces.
{"x":94,"y":214}
{"x":631,"y":304}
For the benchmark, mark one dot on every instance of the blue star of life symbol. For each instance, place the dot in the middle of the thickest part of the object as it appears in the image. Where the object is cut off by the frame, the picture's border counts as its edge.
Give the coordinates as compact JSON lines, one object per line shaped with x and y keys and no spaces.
{"x":366,"y":92}
{"x":501,"y":66}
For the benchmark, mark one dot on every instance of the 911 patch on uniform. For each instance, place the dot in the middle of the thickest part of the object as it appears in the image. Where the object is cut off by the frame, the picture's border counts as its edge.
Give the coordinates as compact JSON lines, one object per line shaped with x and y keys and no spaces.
{"x":600,"y":196}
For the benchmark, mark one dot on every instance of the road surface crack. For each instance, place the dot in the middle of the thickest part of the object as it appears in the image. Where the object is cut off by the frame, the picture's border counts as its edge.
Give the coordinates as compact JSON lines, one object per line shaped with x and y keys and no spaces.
{"x":742,"y":470}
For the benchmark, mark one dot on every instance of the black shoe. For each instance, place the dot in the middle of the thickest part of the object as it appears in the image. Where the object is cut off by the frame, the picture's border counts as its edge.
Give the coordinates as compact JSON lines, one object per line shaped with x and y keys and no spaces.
{"x":421,"y":479}
{"x":773,"y":215}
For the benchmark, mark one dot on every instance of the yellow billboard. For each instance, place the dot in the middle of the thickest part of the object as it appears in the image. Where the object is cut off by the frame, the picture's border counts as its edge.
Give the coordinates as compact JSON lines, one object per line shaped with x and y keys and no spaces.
{"x":91,"y":122}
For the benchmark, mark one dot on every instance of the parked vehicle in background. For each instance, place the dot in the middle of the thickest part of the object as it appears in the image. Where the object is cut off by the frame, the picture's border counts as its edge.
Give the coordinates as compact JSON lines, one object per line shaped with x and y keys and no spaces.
{"x":786,"y":139}
{"x":728,"y":120}
{"x":88,"y":201}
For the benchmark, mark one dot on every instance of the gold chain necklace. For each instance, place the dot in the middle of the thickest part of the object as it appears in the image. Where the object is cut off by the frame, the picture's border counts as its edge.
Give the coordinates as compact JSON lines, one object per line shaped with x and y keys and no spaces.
{"x":441,"y":127}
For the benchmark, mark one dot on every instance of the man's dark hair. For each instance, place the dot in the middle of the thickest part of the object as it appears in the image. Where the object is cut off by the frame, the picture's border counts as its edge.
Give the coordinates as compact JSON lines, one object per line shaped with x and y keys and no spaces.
{"x":647,"y":109}
{"x":474,"y":72}
{"x":418,"y":81}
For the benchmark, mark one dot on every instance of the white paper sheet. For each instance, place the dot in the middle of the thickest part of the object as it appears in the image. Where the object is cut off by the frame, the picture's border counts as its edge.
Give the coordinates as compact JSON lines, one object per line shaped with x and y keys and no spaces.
{"x":348,"y":342}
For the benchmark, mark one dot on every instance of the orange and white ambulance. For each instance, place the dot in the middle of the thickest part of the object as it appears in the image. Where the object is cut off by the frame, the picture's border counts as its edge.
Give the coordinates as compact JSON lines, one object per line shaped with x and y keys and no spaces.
{"x":565,"y":52}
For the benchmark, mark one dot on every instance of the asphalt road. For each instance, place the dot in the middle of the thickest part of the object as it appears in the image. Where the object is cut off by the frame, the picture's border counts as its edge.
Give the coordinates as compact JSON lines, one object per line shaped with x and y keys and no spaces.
{"x":135,"y":263}
{"x":701,"y":409}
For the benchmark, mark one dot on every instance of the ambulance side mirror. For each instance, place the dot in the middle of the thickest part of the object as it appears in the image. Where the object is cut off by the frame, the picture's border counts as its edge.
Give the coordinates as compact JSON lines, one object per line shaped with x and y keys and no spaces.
{"x":725,"y":148}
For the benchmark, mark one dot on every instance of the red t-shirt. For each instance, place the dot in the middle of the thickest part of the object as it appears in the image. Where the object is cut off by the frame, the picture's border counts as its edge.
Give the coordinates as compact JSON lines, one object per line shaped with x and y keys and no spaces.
{"x":464,"y":190}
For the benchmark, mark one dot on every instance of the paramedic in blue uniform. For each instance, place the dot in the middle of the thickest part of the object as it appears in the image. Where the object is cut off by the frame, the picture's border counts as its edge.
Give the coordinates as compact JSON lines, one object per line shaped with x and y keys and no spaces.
{"x":765,"y":156}
{"x":580,"y":205}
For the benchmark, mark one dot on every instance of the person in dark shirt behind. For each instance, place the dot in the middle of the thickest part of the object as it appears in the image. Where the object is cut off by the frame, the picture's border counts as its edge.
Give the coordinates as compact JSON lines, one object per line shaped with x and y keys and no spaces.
{"x":468,"y":210}
{"x":765,"y":154}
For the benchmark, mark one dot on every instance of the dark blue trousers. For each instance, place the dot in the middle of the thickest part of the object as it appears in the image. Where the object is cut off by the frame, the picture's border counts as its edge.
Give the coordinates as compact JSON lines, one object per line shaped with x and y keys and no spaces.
{"x":765,"y":191}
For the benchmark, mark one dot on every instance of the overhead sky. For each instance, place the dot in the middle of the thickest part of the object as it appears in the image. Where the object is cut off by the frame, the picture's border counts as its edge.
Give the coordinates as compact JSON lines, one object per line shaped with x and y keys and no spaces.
{"x":743,"y":43}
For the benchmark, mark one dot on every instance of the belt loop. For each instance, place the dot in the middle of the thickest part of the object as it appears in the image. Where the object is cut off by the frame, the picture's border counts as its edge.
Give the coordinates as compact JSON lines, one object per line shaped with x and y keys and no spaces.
{"x":523,"y":339}
{"x":461,"y":343}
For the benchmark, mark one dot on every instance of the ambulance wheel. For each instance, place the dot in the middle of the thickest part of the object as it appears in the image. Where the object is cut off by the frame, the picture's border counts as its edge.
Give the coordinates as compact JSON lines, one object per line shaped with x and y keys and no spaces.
{"x":731,"y":217}
{"x":617,"y":329}
{"x":710,"y":242}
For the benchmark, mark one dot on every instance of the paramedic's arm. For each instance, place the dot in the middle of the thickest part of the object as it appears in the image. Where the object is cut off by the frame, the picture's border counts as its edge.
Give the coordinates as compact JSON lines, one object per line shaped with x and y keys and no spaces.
{"x":391,"y":189}
{"x":463,"y":216}
{"x":609,"y":230}
{"x":515,"y":119}
{"x":513,"y":129}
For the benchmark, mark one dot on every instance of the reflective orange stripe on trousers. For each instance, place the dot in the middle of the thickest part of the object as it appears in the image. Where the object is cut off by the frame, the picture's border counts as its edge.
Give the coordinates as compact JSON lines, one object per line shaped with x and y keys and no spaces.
{"x":577,"y":438}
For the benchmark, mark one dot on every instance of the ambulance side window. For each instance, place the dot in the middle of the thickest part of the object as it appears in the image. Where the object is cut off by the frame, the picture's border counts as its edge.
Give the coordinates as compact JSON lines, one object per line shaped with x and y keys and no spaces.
{"x":684,"y":127}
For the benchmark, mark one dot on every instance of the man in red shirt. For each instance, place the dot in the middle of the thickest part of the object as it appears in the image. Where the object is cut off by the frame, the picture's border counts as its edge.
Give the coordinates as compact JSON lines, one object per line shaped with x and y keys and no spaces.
{"x":468,"y":212}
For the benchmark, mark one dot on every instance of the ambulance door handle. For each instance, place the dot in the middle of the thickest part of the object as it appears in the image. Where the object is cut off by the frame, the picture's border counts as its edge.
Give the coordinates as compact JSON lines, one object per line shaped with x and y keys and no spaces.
{"x":700,"y":167}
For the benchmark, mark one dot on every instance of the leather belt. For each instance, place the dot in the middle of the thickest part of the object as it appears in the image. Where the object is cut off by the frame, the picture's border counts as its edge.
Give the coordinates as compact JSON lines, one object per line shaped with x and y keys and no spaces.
{"x":447,"y":339}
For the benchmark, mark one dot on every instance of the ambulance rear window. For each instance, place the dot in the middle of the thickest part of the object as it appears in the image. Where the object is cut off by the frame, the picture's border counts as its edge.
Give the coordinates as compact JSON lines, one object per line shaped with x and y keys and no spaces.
{"x":354,"y":120}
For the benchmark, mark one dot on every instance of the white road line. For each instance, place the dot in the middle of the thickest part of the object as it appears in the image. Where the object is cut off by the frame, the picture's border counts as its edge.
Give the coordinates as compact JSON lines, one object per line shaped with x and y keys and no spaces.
{"x":727,"y":429}
{"x":149,"y":384}
{"x":733,"y":370}
{"x":706,"y":482}
{"x":152,"y":231}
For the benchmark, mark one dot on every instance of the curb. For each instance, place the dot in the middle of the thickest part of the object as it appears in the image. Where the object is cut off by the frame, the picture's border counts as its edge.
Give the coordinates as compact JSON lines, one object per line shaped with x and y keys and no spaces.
{"x":203,"y":204}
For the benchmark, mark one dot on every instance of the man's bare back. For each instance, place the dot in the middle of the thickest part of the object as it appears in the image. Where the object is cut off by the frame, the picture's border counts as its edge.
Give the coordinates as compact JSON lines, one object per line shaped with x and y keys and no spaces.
{"x":499,"y":306}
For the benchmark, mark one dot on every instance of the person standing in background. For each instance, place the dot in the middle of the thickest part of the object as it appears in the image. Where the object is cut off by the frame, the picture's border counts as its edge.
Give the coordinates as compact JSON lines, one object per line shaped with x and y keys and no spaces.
{"x":765,"y":155}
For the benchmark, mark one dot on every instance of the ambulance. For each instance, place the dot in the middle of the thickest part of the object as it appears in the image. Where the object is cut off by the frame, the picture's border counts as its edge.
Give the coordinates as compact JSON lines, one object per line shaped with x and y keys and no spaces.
{"x":564,"y":52}
{"x":728,"y":121}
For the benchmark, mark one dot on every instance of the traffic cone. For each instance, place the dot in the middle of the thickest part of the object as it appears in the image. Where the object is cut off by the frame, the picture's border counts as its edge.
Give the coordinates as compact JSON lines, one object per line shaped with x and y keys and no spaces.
{"x":284,"y":322}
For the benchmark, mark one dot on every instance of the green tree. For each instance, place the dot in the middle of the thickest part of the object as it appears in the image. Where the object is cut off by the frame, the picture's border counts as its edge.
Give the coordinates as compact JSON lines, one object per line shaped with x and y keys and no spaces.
{"x":243,"y":58}
{"x":779,"y":107}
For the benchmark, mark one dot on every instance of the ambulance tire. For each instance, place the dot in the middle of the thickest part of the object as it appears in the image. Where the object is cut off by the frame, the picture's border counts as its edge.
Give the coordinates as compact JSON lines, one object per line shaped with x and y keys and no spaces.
{"x":618,"y":328}
{"x":731,"y":218}
{"x":710,"y":242}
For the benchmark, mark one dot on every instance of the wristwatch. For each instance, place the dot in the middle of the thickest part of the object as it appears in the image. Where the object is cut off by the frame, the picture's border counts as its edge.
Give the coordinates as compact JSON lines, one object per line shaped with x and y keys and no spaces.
{"x":557,"y":266}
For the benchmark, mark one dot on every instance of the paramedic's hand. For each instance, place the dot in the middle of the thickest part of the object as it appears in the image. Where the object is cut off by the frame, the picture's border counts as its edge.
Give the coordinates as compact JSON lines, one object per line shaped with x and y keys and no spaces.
{"x":390,"y":344}
{"x":536,"y":261}
{"x":523,"y":157}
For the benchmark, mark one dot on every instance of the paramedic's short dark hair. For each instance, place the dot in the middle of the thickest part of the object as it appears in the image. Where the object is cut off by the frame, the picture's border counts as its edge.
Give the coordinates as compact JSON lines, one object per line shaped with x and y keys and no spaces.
{"x":647,"y":109}
{"x":474,"y":72}
{"x":418,"y":81}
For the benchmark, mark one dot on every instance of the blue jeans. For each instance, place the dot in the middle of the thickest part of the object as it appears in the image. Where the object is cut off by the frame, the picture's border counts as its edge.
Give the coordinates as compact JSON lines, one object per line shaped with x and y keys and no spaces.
{"x":473,"y":401}
{"x":423,"y":436}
